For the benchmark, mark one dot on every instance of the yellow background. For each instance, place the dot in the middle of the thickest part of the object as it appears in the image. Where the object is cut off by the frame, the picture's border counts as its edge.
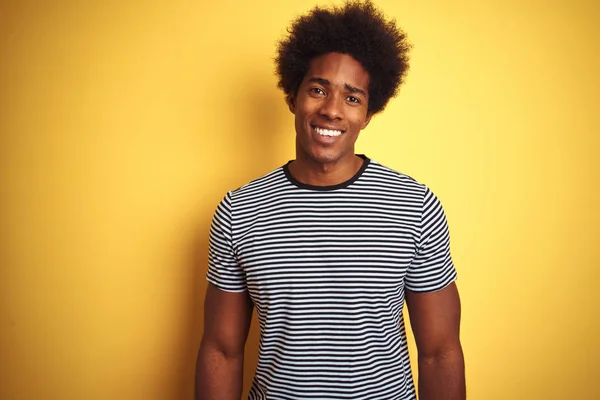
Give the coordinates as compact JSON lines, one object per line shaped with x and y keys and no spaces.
{"x":123,"y":124}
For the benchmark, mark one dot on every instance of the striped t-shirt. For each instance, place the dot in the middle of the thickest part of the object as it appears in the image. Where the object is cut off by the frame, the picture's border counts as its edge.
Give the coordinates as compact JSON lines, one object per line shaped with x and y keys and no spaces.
{"x":327,"y":268}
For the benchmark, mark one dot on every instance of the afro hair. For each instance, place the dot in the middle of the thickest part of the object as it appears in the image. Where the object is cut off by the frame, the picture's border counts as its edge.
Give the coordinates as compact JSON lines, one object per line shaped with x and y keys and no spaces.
{"x":358,"y":29}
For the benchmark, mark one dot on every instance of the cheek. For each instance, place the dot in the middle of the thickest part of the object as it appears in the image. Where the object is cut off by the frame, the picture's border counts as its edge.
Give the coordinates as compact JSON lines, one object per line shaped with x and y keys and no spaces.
{"x":298,"y":120}
{"x":300,"y":116}
{"x":300,"y":125}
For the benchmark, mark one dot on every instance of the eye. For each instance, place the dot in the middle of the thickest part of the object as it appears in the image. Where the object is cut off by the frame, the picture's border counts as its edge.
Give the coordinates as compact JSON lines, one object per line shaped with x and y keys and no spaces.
{"x":353,"y":99}
{"x":317,"y":90}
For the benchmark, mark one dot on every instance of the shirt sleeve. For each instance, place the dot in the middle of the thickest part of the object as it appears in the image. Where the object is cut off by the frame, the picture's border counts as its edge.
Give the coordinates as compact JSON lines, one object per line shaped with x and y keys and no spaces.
{"x":224,"y":270}
{"x":432,"y":268}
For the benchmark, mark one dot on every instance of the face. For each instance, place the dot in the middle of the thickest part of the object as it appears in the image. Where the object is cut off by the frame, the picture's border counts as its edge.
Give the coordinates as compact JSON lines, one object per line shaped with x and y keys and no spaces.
{"x":330,"y":109}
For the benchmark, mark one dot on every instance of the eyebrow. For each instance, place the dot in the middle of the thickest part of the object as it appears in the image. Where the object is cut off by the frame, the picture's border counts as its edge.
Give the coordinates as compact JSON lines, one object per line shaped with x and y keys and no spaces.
{"x":350,"y":88}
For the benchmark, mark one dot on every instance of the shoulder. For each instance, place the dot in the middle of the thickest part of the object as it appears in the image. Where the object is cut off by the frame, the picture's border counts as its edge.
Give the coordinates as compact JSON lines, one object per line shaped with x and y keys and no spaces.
{"x":260,"y":187}
{"x":393,"y":181}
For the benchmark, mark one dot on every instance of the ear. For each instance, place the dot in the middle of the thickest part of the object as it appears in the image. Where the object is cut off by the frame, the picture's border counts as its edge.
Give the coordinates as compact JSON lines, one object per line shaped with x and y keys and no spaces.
{"x":364,"y":124}
{"x":291,"y":102}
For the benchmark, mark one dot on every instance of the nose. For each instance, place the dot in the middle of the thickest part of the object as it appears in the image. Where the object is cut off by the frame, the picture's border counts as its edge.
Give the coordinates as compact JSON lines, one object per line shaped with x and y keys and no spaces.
{"x":332,"y":107}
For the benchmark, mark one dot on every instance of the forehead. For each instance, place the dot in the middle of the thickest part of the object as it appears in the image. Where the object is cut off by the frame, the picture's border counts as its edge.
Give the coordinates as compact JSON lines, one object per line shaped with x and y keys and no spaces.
{"x":339,"y":69}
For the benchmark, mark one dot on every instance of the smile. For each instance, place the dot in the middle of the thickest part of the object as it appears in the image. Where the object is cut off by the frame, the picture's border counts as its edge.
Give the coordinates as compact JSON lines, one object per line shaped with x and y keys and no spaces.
{"x":327,"y":132}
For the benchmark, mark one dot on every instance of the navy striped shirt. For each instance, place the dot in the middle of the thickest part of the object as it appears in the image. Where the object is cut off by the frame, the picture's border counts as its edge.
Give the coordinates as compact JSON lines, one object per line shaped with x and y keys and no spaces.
{"x":327,"y":268}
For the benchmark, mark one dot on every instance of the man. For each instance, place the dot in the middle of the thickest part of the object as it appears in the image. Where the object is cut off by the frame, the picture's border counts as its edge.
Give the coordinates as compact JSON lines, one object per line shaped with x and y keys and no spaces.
{"x":329,"y":246}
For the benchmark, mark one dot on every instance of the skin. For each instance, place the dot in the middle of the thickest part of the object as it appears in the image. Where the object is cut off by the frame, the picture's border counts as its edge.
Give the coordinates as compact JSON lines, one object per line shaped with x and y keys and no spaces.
{"x":333,"y":95}
{"x":220,"y":363}
{"x":435,"y":321}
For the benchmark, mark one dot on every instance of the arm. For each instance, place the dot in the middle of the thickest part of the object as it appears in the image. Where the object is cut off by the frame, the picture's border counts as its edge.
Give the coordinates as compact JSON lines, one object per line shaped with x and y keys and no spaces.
{"x":220,"y":364}
{"x":435,"y":320}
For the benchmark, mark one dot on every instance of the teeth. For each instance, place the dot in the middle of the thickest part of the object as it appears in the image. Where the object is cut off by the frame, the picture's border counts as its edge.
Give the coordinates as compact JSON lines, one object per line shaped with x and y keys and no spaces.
{"x":327,"y":132}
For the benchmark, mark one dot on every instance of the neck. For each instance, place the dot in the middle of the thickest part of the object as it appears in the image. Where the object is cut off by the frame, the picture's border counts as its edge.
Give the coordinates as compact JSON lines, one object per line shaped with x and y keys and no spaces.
{"x":316,"y":174}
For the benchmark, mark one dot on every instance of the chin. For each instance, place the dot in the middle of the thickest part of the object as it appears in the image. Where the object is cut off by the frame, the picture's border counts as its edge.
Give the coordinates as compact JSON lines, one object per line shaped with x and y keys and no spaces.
{"x":325,"y":157}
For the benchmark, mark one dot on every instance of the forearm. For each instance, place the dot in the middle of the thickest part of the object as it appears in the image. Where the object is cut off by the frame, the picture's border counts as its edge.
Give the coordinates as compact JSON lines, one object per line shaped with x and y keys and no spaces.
{"x":218,"y":376}
{"x":442,"y":377}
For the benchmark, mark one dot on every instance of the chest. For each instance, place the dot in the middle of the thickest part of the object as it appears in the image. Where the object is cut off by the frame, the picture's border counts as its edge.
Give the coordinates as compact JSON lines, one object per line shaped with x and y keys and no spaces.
{"x":294,"y":247}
